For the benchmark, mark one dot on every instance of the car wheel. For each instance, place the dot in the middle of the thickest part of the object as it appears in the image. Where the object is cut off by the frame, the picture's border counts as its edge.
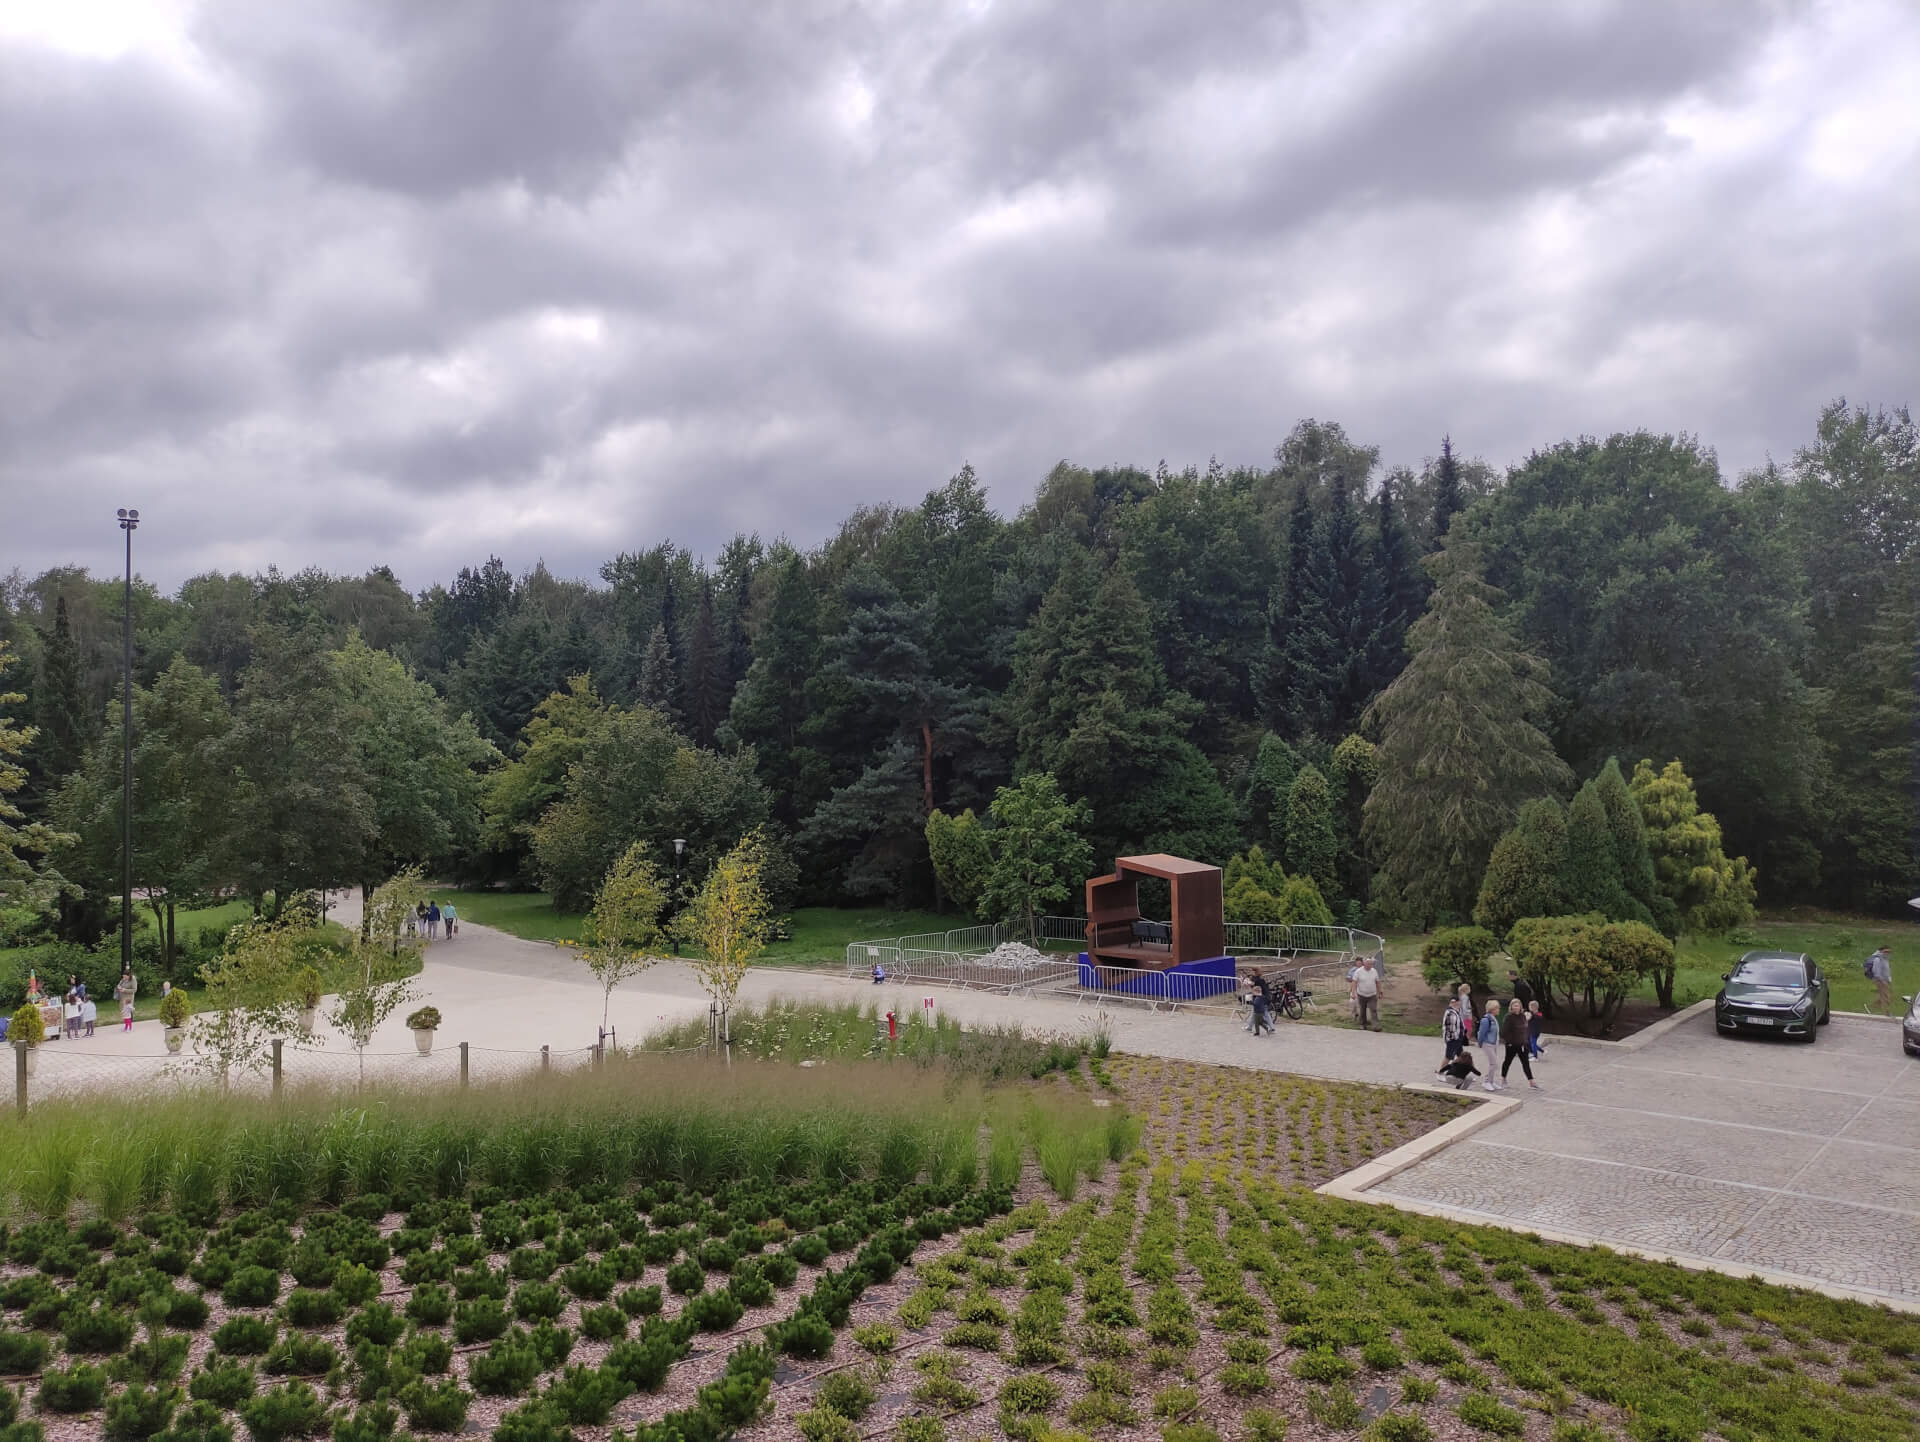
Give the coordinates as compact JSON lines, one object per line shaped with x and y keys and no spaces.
{"x":1827,"y":1015}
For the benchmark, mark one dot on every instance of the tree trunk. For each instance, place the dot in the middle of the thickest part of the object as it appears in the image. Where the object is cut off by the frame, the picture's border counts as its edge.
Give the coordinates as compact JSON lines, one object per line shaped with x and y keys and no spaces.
{"x":926,"y":765}
{"x":170,"y":950}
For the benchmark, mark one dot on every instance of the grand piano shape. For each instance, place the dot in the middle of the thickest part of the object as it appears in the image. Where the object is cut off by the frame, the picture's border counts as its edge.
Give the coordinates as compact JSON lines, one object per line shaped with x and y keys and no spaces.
{"x":1180,"y":959}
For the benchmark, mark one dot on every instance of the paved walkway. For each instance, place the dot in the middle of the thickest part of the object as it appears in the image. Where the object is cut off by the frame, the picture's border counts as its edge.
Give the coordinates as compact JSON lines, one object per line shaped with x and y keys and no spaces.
{"x":1800,"y":1160}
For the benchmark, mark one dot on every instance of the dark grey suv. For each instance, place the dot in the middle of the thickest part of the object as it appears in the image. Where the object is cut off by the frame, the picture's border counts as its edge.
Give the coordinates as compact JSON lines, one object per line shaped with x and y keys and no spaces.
{"x":1773,"y":993}
{"x":1910,"y":1027}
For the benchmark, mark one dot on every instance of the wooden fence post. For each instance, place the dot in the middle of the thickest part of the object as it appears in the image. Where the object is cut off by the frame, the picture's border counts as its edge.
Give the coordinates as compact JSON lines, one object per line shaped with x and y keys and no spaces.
{"x":463,"y":1063}
{"x":278,"y":1046}
{"x":20,"y":1075}
{"x":546,"y":1058}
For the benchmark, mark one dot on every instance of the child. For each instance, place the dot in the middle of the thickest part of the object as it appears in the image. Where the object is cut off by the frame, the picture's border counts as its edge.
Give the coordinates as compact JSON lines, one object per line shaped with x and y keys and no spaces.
{"x":1460,"y":1070}
{"x":89,"y":1014}
{"x":1534,"y":1020}
{"x":70,"y":1015}
{"x":126,"y":1014}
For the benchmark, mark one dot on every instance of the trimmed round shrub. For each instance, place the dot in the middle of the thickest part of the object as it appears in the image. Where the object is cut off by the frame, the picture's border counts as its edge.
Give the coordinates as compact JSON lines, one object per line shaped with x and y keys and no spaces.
{"x":585,"y":1396}
{"x":533,"y":1301}
{"x":506,"y":1369}
{"x":138,"y":1412}
{"x":310,"y":1307}
{"x":430,"y":1306}
{"x":602,"y":1324}
{"x":252,"y":1286}
{"x":1457,"y":954}
{"x":439,"y":1408}
{"x":640,"y":1301}
{"x":377,"y":1323}
{"x":480,"y":1320}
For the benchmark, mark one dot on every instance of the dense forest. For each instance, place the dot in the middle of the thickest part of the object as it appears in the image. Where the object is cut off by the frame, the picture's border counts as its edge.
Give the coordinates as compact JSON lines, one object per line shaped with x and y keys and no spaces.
{"x":1190,"y":653}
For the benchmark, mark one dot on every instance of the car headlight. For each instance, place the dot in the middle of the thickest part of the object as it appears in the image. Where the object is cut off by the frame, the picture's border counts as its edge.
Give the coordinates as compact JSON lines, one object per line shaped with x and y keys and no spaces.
{"x":1802,"y":1006}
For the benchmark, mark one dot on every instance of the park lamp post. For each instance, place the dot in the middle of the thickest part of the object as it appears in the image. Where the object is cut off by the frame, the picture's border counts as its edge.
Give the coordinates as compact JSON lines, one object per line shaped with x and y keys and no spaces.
{"x":129,"y":521}
{"x":679,"y":850}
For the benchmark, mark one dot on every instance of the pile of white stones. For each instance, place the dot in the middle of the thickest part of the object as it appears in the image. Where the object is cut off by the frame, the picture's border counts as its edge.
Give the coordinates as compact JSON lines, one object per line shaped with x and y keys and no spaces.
{"x":1013,"y":955}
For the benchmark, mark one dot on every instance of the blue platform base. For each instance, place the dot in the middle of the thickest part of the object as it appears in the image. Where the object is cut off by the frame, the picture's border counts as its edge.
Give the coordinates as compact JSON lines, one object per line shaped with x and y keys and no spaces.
{"x":1189,"y":981}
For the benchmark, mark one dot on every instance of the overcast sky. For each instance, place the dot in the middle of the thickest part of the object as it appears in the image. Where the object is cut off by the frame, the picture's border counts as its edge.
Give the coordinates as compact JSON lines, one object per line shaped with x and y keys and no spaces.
{"x":349,"y":282}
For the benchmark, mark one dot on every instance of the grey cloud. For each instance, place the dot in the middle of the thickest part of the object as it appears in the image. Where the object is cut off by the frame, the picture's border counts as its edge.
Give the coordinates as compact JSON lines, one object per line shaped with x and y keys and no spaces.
{"x":376,"y":281}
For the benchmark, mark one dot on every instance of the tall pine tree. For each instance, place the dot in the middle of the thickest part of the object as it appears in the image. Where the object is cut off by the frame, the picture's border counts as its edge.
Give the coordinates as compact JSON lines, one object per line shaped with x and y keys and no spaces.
{"x":769,"y":710}
{"x":1296,"y":678}
{"x":1449,"y":496}
{"x":1403,"y":590}
{"x":708,"y":690}
{"x":1460,"y":748}
{"x":60,"y":704}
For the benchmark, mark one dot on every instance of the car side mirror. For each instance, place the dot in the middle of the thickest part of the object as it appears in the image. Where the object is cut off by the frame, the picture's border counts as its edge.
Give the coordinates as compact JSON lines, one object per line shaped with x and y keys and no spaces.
{"x":1726,"y":976}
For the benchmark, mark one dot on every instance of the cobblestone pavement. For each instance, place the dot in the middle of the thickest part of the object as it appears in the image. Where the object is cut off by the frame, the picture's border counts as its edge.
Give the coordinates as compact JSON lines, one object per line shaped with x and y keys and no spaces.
{"x":1797,"y":1159}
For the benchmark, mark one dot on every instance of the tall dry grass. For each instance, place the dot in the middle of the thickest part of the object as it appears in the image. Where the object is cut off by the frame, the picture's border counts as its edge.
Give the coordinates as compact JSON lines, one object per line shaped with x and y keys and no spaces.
{"x":635,"y":1120}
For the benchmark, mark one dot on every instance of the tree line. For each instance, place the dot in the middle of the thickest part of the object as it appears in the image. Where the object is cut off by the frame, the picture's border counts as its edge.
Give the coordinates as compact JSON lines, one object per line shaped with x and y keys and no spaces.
{"x":1366,"y":673}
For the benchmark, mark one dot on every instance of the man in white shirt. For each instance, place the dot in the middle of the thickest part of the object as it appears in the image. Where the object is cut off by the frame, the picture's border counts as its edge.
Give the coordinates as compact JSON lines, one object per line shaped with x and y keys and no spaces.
{"x":1366,"y":995}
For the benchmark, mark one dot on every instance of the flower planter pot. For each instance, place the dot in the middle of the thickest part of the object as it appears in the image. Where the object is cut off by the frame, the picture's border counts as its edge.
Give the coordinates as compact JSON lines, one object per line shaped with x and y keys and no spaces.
{"x":423,"y":1039}
{"x":174,"y":1035}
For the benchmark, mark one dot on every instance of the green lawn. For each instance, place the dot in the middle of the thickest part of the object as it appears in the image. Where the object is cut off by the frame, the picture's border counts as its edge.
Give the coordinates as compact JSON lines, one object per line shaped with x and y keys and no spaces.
{"x":819,"y":933}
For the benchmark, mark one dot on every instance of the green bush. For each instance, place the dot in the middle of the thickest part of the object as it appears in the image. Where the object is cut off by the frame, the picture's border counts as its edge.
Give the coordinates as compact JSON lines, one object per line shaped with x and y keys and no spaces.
{"x":225,"y":1384}
{"x":138,"y":1412}
{"x":78,"y":1388}
{"x":714,"y":1311}
{"x":640,"y":1301}
{"x":195,"y":1422}
{"x":285,"y":1412}
{"x":585,"y":1396}
{"x":22,"y":1353}
{"x":310,"y":1307}
{"x":298,"y":1355}
{"x":480,"y":1320}
{"x":27,"y":1026}
{"x":1480,"y":1411}
{"x":1590,"y":966}
{"x":1400,"y":1427}
{"x":506,"y":1369}
{"x":602,"y":1324}
{"x":245,"y":1336}
{"x":251,"y":1287}
{"x":377,"y":1323}
{"x":1458,"y":954}
{"x":428,"y":1353}
{"x":439,"y":1408}
{"x":97,"y":1328}
{"x":533,"y":1301}
{"x":847,"y":1392}
{"x":430,"y":1306}
{"x":175,"y":1009}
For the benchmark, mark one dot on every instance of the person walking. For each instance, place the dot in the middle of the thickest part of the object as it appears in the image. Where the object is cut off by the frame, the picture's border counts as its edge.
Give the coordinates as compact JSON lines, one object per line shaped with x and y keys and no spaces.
{"x":450,"y":919}
{"x":1487,"y":1038}
{"x":1366,"y":995}
{"x":124,"y":991}
{"x":1262,"y":1002}
{"x":1522,"y":990}
{"x":1513,"y":1032}
{"x":1879,"y":970}
{"x":89,"y":1014}
{"x":1453,"y":1031}
{"x":1535,"y":1019}
{"x":433,"y":921}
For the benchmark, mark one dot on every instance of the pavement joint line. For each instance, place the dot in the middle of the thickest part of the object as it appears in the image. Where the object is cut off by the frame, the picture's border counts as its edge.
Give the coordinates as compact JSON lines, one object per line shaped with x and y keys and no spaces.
{"x":1771,"y":1192}
{"x":1740,"y":1228}
{"x":1644,"y":1037}
{"x":1753,"y":1082}
{"x":1693,"y":1262}
{"x":1714,"y":1122}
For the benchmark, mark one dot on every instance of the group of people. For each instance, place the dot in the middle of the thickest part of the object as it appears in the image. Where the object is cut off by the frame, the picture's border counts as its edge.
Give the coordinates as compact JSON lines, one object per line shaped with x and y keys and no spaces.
{"x":1516,"y":1026}
{"x":79,"y":1013}
{"x":429,"y":916}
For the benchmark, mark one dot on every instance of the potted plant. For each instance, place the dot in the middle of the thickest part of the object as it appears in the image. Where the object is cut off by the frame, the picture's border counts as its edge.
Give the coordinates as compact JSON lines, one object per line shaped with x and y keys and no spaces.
{"x":28,"y":1030}
{"x":311,"y":990}
{"x":174,"y":1011}
{"x":424,"y":1022}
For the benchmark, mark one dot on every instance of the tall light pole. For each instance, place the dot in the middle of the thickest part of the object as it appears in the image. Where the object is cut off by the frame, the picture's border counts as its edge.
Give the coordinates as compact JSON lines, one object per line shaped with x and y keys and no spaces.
{"x":129,"y":520}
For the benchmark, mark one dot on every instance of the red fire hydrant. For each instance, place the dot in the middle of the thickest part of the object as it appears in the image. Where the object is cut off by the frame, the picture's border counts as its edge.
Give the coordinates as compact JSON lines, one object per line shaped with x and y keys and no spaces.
{"x":892,"y":1033}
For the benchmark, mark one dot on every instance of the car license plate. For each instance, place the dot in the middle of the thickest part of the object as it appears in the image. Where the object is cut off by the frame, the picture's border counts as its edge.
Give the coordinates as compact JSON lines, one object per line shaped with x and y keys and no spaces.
{"x":1758,"y":1020}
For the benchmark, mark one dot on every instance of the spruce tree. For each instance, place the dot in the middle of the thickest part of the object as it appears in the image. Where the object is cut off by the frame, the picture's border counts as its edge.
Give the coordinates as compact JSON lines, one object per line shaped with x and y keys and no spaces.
{"x":659,"y":682}
{"x":1268,"y":782}
{"x":707,"y":691}
{"x":1297,"y":679}
{"x":1403,"y":589}
{"x":60,"y":704}
{"x":770,"y":707}
{"x":24,"y":881}
{"x":1356,"y":602}
{"x":1632,"y":852}
{"x":1449,"y":496}
{"x":1460,"y":751}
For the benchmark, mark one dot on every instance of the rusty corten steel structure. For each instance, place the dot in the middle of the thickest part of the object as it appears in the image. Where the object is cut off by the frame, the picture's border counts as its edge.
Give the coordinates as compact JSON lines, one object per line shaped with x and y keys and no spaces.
{"x":1117,"y":934}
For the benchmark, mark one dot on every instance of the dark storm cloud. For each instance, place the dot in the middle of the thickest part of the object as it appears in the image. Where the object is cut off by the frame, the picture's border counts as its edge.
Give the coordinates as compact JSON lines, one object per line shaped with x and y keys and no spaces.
{"x":362,"y":282}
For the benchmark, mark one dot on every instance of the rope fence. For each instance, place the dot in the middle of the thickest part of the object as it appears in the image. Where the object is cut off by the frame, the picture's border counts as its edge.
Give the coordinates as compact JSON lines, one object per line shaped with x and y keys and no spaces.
{"x":47,"y":1073}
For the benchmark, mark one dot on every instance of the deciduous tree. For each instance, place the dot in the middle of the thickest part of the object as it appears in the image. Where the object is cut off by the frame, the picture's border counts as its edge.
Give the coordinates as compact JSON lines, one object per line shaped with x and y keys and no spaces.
{"x":624,"y":934}
{"x":1039,"y":852}
{"x":728,"y":922}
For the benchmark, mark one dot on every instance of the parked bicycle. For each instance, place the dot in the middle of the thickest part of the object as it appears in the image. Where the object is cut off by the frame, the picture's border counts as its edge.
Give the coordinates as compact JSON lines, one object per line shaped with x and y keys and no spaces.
{"x":1288,"y":997}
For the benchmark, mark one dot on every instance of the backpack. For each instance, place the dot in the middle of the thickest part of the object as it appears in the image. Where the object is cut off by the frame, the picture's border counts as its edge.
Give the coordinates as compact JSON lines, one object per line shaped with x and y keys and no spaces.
{"x":1451,"y":1026}
{"x":1866,"y":967}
